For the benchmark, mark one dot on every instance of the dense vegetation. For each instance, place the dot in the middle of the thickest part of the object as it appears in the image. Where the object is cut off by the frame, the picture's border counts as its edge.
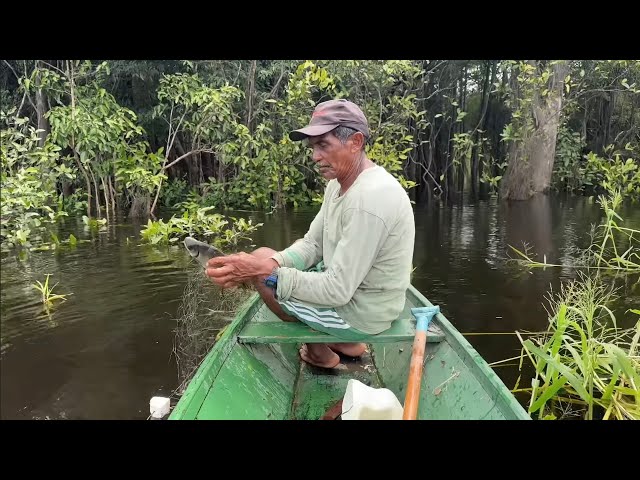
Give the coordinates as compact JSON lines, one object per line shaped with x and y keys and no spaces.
{"x":137,"y":136}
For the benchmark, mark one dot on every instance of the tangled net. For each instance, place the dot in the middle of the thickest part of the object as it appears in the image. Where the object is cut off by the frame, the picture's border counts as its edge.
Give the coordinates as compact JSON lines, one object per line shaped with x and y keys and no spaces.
{"x":205,"y":310}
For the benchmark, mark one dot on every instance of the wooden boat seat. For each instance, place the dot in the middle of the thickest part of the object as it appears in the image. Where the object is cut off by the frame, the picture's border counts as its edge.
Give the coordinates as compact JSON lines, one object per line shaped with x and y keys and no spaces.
{"x":402,"y":330}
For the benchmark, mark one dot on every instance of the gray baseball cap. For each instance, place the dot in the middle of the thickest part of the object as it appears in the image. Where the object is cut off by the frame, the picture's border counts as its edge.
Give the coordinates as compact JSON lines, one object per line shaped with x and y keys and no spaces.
{"x":331,"y":114}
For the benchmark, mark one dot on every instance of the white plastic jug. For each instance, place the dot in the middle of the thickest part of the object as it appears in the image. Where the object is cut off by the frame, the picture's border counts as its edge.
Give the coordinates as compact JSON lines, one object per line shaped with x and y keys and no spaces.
{"x":362,"y":402}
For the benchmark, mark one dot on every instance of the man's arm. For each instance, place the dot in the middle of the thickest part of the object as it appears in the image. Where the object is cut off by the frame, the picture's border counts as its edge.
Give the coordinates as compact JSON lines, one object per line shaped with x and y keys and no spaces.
{"x":363,"y":236}
{"x":307,"y":251}
{"x":231,"y":270}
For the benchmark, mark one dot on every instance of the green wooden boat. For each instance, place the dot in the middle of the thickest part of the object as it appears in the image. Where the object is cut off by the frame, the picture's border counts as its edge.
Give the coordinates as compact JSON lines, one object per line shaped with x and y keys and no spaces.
{"x":254,"y":372}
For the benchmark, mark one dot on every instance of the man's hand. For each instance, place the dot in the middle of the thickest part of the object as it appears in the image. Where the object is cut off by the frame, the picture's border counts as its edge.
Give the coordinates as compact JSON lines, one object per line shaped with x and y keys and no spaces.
{"x":232,"y":270}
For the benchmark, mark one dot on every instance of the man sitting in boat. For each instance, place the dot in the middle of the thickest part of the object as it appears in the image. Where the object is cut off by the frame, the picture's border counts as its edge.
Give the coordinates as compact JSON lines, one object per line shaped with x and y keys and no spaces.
{"x":363,"y":236}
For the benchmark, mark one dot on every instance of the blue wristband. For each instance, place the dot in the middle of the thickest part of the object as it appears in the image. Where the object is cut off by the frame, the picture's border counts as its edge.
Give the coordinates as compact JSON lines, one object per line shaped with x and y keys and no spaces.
{"x":272,"y":280}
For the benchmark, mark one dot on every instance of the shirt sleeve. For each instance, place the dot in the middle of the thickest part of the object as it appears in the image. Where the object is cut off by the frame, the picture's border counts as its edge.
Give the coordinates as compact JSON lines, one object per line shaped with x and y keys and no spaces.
{"x":363,"y":234}
{"x":306,"y":251}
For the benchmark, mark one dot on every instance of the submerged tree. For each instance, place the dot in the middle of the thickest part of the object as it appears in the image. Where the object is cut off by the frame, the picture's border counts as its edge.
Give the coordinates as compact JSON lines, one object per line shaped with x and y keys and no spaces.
{"x":536,"y":100}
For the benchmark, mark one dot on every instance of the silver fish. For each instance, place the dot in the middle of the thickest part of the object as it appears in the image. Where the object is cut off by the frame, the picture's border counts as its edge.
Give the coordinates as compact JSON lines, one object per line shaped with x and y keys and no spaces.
{"x":201,"y":251}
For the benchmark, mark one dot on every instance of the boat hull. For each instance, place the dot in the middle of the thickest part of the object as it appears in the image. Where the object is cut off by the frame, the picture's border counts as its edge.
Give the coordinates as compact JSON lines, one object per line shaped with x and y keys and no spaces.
{"x":248,"y":377}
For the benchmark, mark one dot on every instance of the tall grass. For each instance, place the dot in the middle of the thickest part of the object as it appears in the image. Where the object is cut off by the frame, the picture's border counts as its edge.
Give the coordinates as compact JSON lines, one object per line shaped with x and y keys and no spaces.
{"x":584,"y":364}
{"x":613,"y":248}
{"x":605,"y":251}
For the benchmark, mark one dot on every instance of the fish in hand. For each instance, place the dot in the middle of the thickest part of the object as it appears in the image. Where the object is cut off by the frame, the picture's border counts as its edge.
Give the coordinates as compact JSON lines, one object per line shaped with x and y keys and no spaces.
{"x":200,"y":251}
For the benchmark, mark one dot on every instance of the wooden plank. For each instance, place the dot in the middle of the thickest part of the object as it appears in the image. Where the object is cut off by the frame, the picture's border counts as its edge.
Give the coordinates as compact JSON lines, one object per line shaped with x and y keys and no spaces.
{"x":295,"y":332}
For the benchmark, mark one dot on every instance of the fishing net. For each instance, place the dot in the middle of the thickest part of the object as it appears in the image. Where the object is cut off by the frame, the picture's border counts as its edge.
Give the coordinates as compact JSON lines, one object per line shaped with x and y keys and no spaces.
{"x":204,"y":312}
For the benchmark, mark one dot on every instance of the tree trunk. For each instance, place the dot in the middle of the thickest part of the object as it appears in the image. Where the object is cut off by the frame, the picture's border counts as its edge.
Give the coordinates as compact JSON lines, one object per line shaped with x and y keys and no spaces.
{"x":250,"y":94}
{"x":105,"y":192}
{"x":95,"y":185}
{"x":200,"y":169}
{"x":499,"y":119}
{"x":112,"y":192}
{"x":610,"y":109}
{"x":531,"y":159}
{"x":140,"y":206}
{"x":86,"y":179}
{"x":279,"y":203}
{"x":476,"y":157}
{"x":221,"y":178}
{"x":73,"y":141}
{"x":41,"y":109}
{"x":585,"y":119}
{"x":461,"y":128}
{"x":547,"y":114}
{"x":516,"y":184}
{"x":66,"y":188}
{"x":412,"y":174}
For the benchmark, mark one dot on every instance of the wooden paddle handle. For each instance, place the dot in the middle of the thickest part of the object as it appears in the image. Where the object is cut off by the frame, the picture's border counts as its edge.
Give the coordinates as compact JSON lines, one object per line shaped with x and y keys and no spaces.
{"x":415,"y":377}
{"x":333,"y":412}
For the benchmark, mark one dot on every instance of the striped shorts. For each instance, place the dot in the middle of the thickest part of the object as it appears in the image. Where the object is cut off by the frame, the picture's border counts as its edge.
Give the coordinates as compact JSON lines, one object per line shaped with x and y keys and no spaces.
{"x":323,"y":319}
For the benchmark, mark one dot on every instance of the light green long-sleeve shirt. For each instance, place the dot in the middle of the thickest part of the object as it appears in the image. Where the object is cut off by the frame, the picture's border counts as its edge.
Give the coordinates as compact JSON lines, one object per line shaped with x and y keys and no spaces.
{"x":366,"y":239}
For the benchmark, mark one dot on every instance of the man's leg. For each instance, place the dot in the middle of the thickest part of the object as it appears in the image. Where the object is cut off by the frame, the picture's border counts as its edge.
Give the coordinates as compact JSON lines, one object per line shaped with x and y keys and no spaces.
{"x":318,"y":354}
{"x":349,"y":349}
{"x":267,"y":293}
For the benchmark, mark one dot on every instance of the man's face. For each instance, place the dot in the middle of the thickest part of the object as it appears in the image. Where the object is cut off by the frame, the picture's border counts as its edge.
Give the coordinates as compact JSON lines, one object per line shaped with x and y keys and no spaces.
{"x":333,"y":159}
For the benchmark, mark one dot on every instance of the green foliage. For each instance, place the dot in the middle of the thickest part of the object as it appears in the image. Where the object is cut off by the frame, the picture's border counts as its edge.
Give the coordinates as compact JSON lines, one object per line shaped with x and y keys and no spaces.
{"x":74,"y":203}
{"x":194,"y":202}
{"x":174,"y":192}
{"x":28,"y":178}
{"x":205,"y":114}
{"x":462,"y":148}
{"x":138,"y":170}
{"x":393,"y":142}
{"x":613,"y":174}
{"x":159,"y":232}
{"x":272,"y":176}
{"x":224,"y":233}
{"x":493,"y":181}
{"x":94,"y":223}
{"x":271,"y":167}
{"x":103,"y":136}
{"x":275,"y":171}
{"x":520,"y":99}
{"x":258,"y":167}
{"x":567,"y":166}
{"x":96,"y":126}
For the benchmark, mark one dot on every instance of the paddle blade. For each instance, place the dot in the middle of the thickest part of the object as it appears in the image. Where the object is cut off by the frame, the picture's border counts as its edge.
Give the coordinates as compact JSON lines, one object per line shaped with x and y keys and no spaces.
{"x":424,"y":315}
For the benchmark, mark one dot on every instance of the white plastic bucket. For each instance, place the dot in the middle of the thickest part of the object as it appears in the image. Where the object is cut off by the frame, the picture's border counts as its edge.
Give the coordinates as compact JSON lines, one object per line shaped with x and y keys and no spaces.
{"x":362,"y":402}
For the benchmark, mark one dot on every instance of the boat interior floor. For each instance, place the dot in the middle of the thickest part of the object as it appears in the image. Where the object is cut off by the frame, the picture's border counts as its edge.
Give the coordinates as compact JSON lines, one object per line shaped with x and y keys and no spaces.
{"x":318,"y":389}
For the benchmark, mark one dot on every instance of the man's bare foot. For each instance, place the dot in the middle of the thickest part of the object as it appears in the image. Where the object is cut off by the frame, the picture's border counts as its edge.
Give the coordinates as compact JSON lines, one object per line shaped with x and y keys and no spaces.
{"x":319,"y":355}
{"x":350,"y":349}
